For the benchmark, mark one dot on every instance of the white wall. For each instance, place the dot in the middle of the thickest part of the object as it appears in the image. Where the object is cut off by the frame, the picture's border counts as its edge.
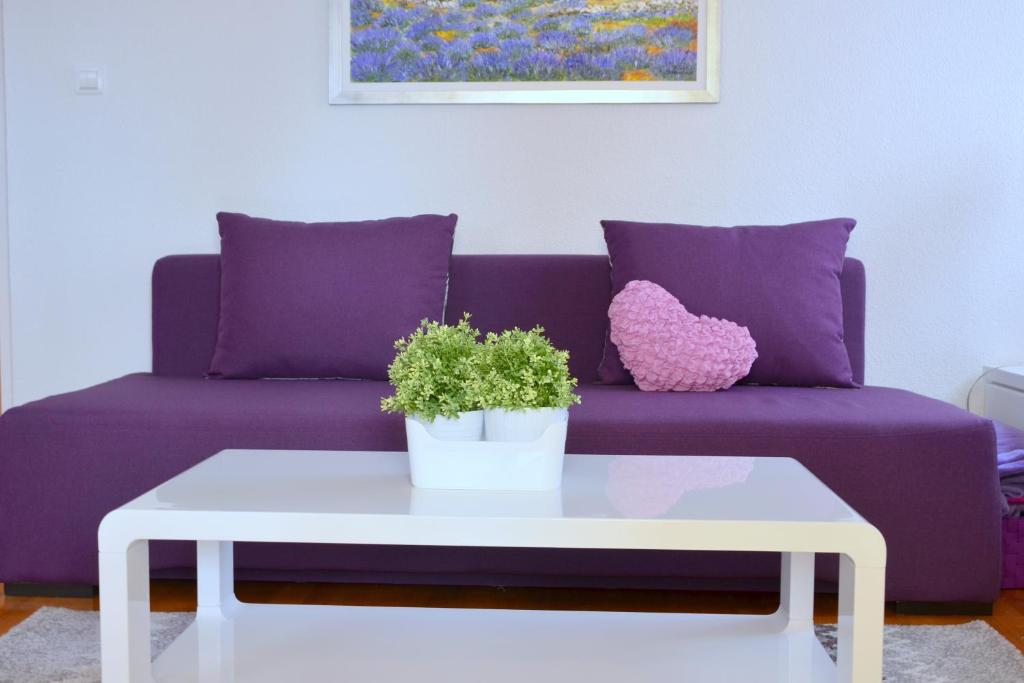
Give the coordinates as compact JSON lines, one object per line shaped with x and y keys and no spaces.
{"x":5,"y":279}
{"x":907,"y":115}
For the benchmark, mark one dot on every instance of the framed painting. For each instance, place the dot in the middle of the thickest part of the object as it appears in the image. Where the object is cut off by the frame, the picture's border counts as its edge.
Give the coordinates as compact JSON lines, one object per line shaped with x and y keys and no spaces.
{"x":523,"y":51}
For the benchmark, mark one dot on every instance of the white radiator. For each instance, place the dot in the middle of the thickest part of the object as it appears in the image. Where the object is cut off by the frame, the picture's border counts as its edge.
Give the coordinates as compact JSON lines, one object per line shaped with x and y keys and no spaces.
{"x":1004,"y":396}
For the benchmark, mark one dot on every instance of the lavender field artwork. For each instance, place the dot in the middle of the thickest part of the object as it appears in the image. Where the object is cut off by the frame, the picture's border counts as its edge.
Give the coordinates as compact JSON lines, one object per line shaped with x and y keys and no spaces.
{"x":524,"y":50}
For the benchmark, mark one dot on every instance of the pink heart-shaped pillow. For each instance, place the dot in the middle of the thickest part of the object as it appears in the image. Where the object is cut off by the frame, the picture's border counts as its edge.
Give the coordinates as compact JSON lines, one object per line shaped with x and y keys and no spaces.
{"x":667,"y":348}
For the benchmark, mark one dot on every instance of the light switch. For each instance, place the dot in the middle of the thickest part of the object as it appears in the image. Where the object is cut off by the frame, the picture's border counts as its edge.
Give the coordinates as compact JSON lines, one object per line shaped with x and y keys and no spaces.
{"x":88,"y":82}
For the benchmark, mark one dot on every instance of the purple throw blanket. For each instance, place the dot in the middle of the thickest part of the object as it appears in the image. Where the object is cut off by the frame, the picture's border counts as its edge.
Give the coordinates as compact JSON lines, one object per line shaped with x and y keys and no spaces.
{"x":1010,"y":446}
{"x":1011,"y":478}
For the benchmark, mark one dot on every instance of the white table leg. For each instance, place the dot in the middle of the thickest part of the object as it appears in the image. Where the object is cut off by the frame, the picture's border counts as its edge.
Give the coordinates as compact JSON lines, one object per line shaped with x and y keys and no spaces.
{"x":861,"y":621}
{"x":796,"y":615}
{"x":796,"y":592}
{"x":215,"y":578}
{"x":124,"y":615}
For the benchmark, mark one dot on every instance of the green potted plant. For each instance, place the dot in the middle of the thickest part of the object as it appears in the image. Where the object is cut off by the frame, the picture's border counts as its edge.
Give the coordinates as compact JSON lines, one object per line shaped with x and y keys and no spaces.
{"x":523,"y":384}
{"x":432,"y":375}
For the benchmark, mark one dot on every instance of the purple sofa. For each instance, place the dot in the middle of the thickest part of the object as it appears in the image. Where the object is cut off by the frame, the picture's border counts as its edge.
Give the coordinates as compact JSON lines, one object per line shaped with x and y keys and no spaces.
{"x":923,"y":471}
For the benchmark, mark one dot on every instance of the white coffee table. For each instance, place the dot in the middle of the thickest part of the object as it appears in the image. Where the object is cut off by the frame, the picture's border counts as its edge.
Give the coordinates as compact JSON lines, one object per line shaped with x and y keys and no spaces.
{"x":629,"y":502}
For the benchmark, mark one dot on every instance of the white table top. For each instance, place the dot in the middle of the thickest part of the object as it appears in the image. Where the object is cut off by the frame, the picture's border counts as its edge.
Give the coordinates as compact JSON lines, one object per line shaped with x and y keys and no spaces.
{"x":654,"y":502}
{"x":594,"y":486}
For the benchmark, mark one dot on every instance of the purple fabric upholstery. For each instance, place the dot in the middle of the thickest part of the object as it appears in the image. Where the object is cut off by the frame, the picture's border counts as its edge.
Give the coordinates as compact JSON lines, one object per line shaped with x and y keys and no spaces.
{"x":569,"y":295}
{"x":922,"y":470}
{"x":852,"y":280}
{"x":899,"y":458}
{"x":186,"y":308}
{"x":325,"y":299}
{"x":781,"y":282}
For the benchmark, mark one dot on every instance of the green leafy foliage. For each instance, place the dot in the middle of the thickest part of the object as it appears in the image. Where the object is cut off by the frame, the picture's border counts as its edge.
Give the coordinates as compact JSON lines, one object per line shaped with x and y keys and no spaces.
{"x":433,"y":370}
{"x":517,"y":370}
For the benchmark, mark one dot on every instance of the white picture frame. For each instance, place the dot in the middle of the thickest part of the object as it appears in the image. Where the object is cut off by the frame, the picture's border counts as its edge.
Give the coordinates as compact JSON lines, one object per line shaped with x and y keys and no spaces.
{"x":704,"y":87}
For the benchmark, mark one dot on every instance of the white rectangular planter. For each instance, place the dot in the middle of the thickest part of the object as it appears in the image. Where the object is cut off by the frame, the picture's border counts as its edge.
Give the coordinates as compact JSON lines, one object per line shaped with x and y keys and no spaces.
{"x":486,"y":465}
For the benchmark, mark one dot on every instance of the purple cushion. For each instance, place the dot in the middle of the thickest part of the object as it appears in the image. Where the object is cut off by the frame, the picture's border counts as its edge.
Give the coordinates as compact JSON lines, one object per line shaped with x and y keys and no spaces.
{"x":780,"y":282}
{"x":922,"y":471}
{"x":667,"y":348}
{"x":325,"y":299}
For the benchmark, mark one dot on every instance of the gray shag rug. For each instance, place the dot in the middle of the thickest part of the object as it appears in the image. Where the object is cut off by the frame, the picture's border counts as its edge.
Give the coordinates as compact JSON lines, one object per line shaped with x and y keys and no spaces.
{"x":57,"y":645}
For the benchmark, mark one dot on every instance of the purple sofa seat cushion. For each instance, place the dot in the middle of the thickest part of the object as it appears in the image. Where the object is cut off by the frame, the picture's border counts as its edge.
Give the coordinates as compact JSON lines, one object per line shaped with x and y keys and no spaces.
{"x":921,"y":470}
{"x":325,"y":299}
{"x":70,"y":459}
{"x":779,"y":415}
{"x":314,"y":412}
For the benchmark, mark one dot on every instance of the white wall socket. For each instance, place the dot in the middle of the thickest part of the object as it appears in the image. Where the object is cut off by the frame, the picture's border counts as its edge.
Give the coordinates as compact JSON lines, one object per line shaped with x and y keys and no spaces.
{"x":88,"y":81}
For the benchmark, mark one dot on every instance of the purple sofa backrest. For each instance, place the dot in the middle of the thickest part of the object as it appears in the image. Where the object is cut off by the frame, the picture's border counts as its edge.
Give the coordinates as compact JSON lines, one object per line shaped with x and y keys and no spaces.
{"x":568,"y":295}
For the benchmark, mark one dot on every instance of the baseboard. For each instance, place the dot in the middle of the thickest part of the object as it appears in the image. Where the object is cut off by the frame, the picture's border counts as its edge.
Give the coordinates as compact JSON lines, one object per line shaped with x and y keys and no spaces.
{"x":50,"y":590}
{"x":969,"y":609}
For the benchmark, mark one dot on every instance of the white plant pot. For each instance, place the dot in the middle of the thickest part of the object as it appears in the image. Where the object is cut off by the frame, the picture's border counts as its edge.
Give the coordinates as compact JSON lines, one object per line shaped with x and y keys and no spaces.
{"x":485,"y":466}
{"x":520,"y":425}
{"x":468,"y":426}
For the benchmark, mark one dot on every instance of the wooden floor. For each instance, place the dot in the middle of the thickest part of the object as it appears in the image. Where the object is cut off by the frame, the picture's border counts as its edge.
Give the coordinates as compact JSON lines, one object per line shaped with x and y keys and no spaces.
{"x":180,"y":596}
